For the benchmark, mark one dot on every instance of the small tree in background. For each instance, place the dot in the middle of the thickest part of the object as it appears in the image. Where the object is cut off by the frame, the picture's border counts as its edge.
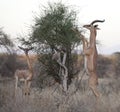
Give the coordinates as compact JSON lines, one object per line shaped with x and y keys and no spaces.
{"x":7,"y":57}
{"x":5,"y":41}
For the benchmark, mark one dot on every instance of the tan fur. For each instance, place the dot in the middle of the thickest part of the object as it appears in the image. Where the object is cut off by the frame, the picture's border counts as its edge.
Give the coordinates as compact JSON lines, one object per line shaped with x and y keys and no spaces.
{"x":24,"y":75}
{"x":90,"y":55}
{"x":91,"y":59}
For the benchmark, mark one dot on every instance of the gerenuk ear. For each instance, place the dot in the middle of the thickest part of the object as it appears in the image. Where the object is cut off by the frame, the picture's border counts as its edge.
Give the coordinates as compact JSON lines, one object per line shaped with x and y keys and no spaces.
{"x":96,"y":27}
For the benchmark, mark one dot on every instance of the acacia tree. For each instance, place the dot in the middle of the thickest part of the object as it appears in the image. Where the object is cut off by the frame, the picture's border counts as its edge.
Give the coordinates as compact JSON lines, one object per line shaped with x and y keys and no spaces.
{"x":53,"y":31}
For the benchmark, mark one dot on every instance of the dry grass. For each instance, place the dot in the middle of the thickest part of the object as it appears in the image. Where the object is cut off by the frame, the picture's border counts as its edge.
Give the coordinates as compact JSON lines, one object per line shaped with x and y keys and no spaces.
{"x":51,"y":99}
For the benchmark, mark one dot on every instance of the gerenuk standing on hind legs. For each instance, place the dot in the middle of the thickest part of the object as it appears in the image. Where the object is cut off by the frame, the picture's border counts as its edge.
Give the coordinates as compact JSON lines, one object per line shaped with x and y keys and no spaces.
{"x":91,"y":55}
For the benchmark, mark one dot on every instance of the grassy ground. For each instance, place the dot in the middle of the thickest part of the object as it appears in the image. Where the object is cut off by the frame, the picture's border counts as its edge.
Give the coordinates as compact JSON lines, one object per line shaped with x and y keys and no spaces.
{"x":51,"y":99}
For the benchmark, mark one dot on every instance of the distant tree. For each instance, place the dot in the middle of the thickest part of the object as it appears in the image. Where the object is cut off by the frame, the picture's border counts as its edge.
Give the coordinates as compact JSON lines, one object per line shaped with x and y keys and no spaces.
{"x":53,"y":31}
{"x":7,"y":57}
{"x":5,"y":41}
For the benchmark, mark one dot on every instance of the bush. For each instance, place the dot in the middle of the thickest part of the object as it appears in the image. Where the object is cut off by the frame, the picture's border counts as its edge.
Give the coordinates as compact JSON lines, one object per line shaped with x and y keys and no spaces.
{"x":7,"y":64}
{"x":103,"y":64}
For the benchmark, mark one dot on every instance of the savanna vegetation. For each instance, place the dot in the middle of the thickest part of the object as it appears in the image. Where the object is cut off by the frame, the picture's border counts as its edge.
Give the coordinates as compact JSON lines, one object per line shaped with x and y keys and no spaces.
{"x":52,"y":32}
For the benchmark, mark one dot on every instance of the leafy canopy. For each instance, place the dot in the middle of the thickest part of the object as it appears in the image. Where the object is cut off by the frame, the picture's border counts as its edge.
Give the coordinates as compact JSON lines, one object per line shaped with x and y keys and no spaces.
{"x":54,"y":28}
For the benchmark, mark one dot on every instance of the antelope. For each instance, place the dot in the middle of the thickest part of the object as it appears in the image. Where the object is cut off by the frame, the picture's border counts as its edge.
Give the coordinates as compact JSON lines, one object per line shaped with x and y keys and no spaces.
{"x":24,"y":75}
{"x":91,"y":56}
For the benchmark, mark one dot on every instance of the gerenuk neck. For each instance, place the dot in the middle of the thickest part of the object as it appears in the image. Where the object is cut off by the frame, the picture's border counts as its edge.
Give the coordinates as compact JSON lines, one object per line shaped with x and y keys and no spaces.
{"x":93,"y":38}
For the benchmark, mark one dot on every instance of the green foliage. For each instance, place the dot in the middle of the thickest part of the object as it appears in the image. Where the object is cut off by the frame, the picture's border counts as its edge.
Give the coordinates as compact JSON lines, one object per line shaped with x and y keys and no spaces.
{"x":49,"y":67}
{"x":54,"y":28}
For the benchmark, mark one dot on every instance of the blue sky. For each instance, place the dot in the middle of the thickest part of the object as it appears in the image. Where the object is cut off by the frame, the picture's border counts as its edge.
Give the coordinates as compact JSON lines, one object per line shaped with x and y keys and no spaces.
{"x":17,"y":17}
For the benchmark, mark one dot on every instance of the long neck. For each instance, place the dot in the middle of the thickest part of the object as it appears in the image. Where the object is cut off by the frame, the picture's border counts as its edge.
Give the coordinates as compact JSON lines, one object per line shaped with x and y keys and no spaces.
{"x":85,"y":43}
{"x":93,"y":38}
{"x":29,"y":64}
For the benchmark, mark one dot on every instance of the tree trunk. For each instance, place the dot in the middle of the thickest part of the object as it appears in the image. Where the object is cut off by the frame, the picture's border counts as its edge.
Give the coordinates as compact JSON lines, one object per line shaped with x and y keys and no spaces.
{"x":65,"y":74}
{"x":63,"y":70}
